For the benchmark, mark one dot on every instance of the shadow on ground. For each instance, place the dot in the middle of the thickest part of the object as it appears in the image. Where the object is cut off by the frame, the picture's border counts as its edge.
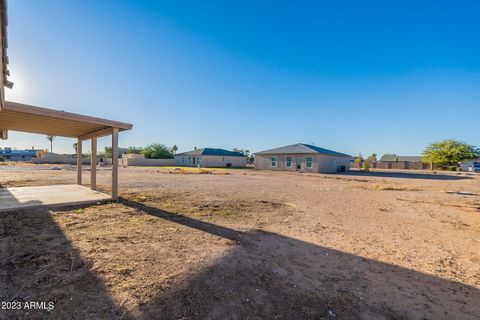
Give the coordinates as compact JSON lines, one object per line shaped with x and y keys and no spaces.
{"x":405,"y":175}
{"x":264,"y":276}
{"x":39,"y":264}
{"x":270,"y":276}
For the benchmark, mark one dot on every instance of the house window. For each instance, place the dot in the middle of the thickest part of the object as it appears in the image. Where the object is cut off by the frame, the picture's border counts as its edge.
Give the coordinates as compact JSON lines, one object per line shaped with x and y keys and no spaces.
{"x":288,"y":162}
{"x":309,"y":162}
{"x":274,"y":161}
{"x":189,"y":160}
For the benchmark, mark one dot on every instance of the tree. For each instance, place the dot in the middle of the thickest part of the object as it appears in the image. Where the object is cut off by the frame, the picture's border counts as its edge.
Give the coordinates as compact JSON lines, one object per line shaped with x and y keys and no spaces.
{"x":359,"y":158}
{"x":157,"y":151}
{"x":108,"y":152}
{"x":135,"y":150}
{"x":50,"y":138}
{"x":372,"y":157}
{"x":365,"y":166}
{"x":246,"y":153}
{"x":449,"y":152}
{"x":174,"y":149}
{"x":75,"y":146}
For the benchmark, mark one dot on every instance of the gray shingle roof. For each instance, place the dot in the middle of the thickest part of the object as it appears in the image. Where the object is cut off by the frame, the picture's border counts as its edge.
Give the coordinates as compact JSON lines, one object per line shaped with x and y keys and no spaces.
{"x":211,"y":152}
{"x":395,"y":158}
{"x":303,"y":148}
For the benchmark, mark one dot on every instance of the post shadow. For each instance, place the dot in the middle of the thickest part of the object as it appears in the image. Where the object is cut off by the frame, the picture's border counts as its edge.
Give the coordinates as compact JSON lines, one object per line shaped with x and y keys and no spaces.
{"x":271,"y":276}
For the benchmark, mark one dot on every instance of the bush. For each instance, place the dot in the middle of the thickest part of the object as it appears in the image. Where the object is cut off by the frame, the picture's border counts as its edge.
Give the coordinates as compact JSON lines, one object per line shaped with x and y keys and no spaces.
{"x":365,"y":166}
{"x":2,"y":159}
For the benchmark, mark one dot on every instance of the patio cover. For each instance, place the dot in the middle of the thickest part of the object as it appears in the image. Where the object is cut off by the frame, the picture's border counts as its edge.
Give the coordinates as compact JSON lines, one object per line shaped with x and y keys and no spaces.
{"x":26,"y":118}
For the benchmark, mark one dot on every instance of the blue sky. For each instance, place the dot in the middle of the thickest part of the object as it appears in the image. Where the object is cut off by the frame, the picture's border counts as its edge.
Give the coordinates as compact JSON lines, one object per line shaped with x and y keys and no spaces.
{"x":353,"y":76}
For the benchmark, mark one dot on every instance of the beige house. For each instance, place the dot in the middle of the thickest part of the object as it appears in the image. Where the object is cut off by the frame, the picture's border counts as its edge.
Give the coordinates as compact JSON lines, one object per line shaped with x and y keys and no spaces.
{"x":303,"y":157}
{"x":211,"y":158}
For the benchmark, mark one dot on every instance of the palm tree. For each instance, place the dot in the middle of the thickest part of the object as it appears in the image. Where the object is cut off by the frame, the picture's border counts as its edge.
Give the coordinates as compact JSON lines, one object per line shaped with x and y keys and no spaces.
{"x":50,"y":138}
{"x":174,"y":149}
{"x":75,"y":146}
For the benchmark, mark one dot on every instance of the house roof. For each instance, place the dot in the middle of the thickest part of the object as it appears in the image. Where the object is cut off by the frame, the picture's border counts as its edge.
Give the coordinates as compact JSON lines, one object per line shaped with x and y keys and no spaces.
{"x":211,"y":152}
{"x":32,"y":119}
{"x":302,"y":148}
{"x":395,"y":158}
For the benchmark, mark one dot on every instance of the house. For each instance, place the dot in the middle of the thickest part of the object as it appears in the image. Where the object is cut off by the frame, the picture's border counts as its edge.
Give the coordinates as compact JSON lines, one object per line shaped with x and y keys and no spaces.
{"x":470,"y":165}
{"x":18,"y":155}
{"x":303,"y":157}
{"x":394,"y":158}
{"x":211,"y":158}
{"x":393,"y":161}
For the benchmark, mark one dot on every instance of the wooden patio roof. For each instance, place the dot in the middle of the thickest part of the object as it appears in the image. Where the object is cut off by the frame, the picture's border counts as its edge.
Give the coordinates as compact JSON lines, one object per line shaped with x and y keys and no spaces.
{"x":26,"y":118}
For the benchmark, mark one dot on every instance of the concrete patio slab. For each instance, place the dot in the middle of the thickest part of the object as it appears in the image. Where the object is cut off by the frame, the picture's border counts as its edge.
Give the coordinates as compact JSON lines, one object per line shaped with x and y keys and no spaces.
{"x":20,"y":198}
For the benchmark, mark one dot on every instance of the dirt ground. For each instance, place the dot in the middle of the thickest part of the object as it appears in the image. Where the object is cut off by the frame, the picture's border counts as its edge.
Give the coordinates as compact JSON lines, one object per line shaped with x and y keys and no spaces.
{"x":244,"y":244}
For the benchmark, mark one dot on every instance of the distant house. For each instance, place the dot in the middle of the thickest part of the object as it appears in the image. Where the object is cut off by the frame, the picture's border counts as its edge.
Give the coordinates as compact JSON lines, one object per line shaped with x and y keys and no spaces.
{"x":395,"y":158}
{"x":211,"y":158}
{"x":303,"y":157}
{"x":393,"y":161}
{"x":470,"y":165}
{"x":18,"y":155}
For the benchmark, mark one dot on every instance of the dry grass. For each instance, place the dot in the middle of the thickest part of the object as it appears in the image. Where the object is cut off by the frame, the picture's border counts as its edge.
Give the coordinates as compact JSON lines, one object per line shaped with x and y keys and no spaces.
{"x":198,"y":171}
{"x":393,"y":187}
{"x":14,"y":163}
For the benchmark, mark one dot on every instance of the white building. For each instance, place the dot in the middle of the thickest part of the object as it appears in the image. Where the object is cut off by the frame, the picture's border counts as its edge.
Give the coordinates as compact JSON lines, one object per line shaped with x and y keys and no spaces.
{"x":470,"y":165}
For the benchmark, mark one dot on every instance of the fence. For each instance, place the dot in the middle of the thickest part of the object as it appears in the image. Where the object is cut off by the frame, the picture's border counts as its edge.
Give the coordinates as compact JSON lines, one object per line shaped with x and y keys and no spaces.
{"x":401,"y":165}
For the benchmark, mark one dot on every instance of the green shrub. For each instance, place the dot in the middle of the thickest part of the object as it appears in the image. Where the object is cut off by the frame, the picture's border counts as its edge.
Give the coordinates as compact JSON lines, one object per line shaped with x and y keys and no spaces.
{"x":2,"y":159}
{"x":365,"y":166}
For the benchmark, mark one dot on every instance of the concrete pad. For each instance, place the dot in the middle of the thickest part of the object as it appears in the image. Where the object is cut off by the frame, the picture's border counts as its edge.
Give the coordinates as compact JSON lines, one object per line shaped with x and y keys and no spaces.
{"x":12,"y":199}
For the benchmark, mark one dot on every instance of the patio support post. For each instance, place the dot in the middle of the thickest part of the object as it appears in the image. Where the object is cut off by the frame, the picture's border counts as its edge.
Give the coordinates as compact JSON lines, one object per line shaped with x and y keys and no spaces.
{"x":79,"y":161}
{"x":93,"y":164}
{"x":115,"y":164}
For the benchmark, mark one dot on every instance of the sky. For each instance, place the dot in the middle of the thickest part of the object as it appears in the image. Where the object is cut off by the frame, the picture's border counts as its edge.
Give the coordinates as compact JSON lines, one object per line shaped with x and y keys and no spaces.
{"x":352,"y":76}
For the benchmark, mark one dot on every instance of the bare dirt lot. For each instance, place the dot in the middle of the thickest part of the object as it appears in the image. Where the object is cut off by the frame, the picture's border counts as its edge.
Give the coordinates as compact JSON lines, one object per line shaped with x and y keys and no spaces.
{"x":243,"y":244}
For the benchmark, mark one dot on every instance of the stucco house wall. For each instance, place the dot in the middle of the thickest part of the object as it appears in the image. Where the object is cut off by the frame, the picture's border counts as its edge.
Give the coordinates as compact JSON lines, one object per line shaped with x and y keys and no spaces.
{"x":320,"y":163}
{"x":211,"y":161}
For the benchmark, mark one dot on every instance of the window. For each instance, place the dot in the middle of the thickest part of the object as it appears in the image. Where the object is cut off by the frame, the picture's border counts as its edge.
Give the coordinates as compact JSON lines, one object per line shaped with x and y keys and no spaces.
{"x":309,"y":162}
{"x":288,"y":162}
{"x":189,"y":160}
{"x":274,"y":161}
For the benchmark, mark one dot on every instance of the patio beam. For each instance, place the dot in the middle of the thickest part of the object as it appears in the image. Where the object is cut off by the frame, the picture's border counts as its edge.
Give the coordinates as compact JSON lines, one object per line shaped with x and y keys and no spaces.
{"x":79,"y":161}
{"x":93,"y":164}
{"x":97,"y":134}
{"x":115,"y":164}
